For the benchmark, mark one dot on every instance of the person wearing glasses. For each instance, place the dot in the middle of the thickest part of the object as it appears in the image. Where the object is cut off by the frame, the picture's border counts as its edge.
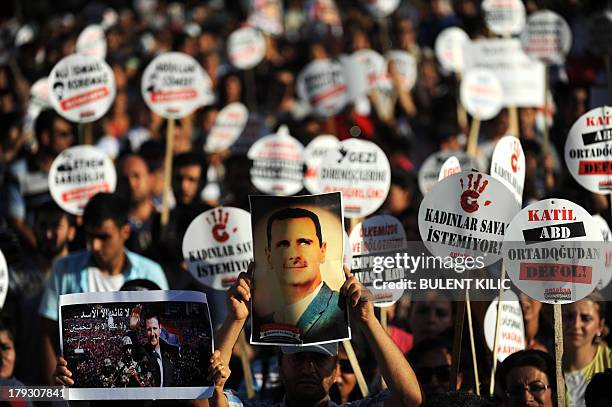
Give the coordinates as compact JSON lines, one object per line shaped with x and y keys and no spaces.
{"x":584,"y":350}
{"x":527,"y":378}
{"x":432,"y":365}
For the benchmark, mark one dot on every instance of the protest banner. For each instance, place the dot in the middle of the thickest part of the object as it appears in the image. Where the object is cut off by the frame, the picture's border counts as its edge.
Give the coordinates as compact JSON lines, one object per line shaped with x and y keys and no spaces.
{"x":113,"y":341}
{"x":606,"y":234}
{"x":360,"y":170}
{"x":323,"y":85}
{"x":246,"y":47}
{"x":551,"y":255}
{"x":508,"y":165}
{"x":229,"y":125}
{"x":429,"y":174}
{"x":266,"y":15}
{"x":92,"y":42}
{"x":588,"y":150}
{"x":313,"y":158}
{"x":298,"y":260}
{"x":371,"y":238}
{"x":79,"y":173}
{"x":504,"y":17}
{"x":4,"y":279}
{"x":81,"y":88}
{"x":449,"y":47}
{"x":504,"y":329}
{"x":482,"y":96}
{"x":451,"y":166}
{"x":278,"y":161}
{"x":217,"y":246}
{"x":173,"y":86}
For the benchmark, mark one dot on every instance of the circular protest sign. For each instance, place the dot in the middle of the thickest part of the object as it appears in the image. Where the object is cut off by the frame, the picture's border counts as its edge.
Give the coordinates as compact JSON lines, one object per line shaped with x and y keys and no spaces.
{"x":374,"y":67}
{"x":606,"y":234}
{"x":511,"y":326}
{"x":552,"y":251}
{"x":39,"y":94}
{"x":449,"y":48}
{"x":504,"y":17}
{"x":278,"y":161}
{"x":430,"y":171}
{"x":466,"y":215}
{"x":81,"y":88}
{"x":600,"y":32}
{"x":246,"y":47}
{"x":313,"y":157}
{"x":377,"y":237}
{"x":508,"y":165}
{"x":406,"y":67}
{"x":218,"y":246}
{"x":381,"y":8}
{"x":547,"y":37}
{"x":267,"y":15}
{"x":92,"y":42}
{"x":323,"y":85}
{"x":4,"y":279}
{"x":361,"y":171}
{"x":79,"y":173}
{"x":481,"y":93}
{"x":174,"y":85}
{"x":228,"y":126}
{"x":588,"y":150}
{"x":450,"y":167}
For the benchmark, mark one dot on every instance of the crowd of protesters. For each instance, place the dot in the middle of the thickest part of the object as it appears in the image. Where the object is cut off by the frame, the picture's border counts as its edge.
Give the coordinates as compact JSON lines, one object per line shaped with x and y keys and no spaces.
{"x":36,"y":235}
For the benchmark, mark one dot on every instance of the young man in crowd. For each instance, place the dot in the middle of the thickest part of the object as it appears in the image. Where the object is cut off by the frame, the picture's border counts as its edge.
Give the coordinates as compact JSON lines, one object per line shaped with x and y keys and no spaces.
{"x":105,"y":266}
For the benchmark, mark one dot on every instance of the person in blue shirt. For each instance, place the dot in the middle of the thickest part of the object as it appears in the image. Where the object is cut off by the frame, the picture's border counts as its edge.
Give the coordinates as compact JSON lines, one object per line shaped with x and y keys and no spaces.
{"x":105,"y":266}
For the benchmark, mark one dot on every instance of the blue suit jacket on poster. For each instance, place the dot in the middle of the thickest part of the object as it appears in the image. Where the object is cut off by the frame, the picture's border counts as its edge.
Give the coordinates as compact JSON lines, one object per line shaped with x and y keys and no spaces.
{"x":324,"y":319}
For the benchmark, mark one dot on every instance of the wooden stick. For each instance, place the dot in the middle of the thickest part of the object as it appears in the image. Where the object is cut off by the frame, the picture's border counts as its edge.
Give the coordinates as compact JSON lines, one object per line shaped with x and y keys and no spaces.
{"x":246,"y":366}
{"x":559,"y":354}
{"x":88,"y":133}
{"x":383,"y":323}
{"x":472,"y":144}
{"x":165,"y":215}
{"x":546,"y":136}
{"x":457,"y":345}
{"x":468,"y":308}
{"x":363,"y":387}
{"x":514,"y":124}
{"x":496,"y":338}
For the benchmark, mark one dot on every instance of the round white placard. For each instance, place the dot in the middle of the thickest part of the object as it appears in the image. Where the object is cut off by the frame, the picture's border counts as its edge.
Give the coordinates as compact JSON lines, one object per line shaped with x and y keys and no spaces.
{"x":450,"y":167}
{"x":449,"y":48}
{"x":323,"y":85}
{"x":92,"y":42}
{"x":547,"y":37}
{"x":313,"y":158}
{"x":228,"y":126}
{"x":430,"y":171}
{"x":481,"y":93}
{"x":406,"y":66}
{"x":504,"y":17}
{"x":246,"y":47}
{"x":508,"y":165}
{"x":511,"y":326}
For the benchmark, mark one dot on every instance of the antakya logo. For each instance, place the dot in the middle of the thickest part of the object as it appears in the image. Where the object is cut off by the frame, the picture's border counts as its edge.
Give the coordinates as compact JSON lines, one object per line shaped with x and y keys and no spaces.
{"x":218,"y":219}
{"x":469,"y":197}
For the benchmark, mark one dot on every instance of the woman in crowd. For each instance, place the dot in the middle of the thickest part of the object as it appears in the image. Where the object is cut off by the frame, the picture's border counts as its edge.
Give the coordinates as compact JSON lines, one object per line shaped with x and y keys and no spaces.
{"x":584,"y":351}
{"x":527,"y":378}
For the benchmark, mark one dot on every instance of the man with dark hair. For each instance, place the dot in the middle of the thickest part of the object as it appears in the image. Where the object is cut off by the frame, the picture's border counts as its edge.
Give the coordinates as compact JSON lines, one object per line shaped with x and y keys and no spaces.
{"x":105,"y":266}
{"x":599,"y":391}
{"x":295,"y":251}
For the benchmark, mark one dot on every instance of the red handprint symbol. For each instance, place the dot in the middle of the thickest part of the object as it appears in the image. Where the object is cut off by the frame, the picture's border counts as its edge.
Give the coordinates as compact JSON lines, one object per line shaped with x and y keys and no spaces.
{"x":470,"y":196}
{"x":218,"y":220}
{"x":514,"y":158}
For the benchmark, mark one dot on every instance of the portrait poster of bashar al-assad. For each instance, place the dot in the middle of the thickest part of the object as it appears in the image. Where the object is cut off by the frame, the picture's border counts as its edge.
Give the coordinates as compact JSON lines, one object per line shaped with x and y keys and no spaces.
{"x":137,"y":344}
{"x":298,"y":244}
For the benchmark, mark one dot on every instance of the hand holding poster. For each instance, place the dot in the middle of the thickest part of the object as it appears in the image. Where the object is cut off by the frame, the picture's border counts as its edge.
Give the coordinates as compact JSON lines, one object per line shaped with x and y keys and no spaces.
{"x":136,"y":344}
{"x":217,"y":246}
{"x":551,"y":251}
{"x":79,"y":173}
{"x":588,"y":150}
{"x":174,"y":85}
{"x":278,"y":161}
{"x":508,"y":165}
{"x":298,"y":270}
{"x":81,"y":88}
{"x":361,"y":171}
{"x":246,"y":47}
{"x":511,"y":326}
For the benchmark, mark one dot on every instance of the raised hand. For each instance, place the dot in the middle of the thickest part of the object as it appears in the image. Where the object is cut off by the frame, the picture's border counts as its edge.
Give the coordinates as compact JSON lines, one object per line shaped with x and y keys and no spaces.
{"x":62,"y":374}
{"x":239,"y":295}
{"x":135,"y":317}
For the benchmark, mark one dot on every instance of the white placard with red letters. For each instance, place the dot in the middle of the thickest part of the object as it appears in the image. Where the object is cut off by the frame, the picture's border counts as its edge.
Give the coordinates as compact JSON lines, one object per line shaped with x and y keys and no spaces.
{"x":81,"y":88}
{"x":552,"y":251}
{"x":449,"y":48}
{"x":79,"y":173}
{"x":246,"y":47}
{"x":323,"y":85}
{"x":511,"y":326}
{"x":218,"y":246}
{"x":313,"y":158}
{"x":229,"y":124}
{"x":547,"y":37}
{"x":374,"y":66}
{"x":481,"y":93}
{"x":504,"y":17}
{"x":174,"y":85}
{"x":92,"y":42}
{"x":451,"y":166}
{"x":430,"y":171}
{"x":508,"y":165}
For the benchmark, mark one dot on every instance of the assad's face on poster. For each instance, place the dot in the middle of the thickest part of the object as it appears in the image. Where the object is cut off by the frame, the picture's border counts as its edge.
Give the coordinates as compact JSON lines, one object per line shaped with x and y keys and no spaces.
{"x":295,"y":255}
